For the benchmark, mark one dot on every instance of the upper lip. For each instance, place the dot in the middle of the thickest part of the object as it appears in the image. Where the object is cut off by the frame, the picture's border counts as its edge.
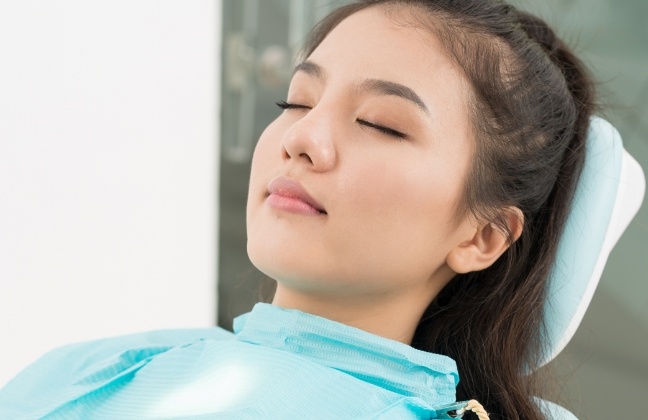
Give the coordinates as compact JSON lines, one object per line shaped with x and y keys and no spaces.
{"x":293,"y":189}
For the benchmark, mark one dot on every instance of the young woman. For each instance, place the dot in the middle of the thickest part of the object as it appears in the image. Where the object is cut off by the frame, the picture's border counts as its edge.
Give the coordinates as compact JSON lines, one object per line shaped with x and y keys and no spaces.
{"x":408,"y":201}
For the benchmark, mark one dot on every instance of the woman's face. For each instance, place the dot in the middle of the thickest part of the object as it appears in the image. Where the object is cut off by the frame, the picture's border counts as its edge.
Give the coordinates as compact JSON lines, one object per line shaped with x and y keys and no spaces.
{"x":379,"y":136}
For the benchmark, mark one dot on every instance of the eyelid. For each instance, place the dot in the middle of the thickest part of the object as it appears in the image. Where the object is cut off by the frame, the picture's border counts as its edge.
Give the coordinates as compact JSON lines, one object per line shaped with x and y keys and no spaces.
{"x":385,"y":130}
{"x":288,"y":105}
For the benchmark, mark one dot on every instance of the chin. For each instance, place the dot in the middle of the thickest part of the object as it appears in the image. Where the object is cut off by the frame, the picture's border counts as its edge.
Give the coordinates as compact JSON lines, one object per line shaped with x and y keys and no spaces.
{"x":277,"y":263}
{"x":292,"y":267}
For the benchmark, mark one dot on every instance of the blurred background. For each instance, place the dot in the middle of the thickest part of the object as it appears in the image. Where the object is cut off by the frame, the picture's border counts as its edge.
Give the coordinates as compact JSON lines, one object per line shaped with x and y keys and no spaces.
{"x":126,"y":132}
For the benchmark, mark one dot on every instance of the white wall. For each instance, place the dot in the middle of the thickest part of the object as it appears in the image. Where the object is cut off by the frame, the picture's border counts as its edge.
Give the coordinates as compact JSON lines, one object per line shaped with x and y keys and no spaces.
{"x":108,"y":170}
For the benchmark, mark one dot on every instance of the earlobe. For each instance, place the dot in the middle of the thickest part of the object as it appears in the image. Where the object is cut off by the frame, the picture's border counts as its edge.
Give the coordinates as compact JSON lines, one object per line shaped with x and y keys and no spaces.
{"x":487,"y":244}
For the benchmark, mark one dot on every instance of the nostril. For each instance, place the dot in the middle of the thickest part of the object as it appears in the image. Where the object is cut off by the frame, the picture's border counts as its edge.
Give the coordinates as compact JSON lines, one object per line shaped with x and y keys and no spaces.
{"x":305,"y":155}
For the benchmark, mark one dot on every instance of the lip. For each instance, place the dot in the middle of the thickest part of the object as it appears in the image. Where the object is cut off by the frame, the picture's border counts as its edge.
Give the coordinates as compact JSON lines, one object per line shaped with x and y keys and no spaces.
{"x":289,"y":195}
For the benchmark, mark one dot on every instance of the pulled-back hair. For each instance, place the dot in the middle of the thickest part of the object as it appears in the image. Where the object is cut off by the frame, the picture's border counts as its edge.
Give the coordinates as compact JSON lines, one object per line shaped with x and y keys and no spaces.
{"x":531,"y":102}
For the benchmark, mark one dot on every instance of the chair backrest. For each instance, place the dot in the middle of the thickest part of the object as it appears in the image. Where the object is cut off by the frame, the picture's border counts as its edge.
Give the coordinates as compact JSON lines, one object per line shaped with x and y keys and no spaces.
{"x":608,"y":196}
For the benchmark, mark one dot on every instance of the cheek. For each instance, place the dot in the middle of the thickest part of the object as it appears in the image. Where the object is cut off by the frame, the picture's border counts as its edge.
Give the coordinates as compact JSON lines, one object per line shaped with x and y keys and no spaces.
{"x":399,"y":213}
{"x":406,"y":193}
{"x":267,"y":148}
{"x":266,"y":161}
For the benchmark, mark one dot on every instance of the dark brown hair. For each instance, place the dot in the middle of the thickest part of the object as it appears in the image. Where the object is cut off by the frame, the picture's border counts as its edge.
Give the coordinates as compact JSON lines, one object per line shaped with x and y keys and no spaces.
{"x":531,"y":102}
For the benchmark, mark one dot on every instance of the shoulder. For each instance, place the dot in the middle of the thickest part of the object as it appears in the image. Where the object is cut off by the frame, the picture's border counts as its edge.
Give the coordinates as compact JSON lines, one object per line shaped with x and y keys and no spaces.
{"x":72,"y":370}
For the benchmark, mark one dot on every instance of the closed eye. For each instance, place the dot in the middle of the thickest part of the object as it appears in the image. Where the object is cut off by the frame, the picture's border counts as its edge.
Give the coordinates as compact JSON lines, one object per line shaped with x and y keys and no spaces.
{"x":288,"y":105}
{"x":385,"y":130}
{"x":382,"y":129}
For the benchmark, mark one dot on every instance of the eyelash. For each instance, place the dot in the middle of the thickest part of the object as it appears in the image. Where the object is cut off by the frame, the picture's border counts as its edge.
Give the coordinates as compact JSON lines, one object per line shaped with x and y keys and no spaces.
{"x":385,"y":130}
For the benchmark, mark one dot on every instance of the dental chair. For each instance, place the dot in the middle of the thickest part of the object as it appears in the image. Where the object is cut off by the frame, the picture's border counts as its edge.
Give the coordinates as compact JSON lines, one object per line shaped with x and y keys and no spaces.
{"x":608,"y":196}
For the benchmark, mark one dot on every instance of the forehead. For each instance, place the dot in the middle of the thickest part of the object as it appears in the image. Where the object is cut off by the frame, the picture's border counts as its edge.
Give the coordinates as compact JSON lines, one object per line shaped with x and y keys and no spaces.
{"x":381,"y":41}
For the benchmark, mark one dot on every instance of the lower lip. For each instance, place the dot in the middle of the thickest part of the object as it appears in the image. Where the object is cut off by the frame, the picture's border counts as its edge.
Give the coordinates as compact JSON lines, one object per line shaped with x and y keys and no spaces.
{"x":291,"y":205}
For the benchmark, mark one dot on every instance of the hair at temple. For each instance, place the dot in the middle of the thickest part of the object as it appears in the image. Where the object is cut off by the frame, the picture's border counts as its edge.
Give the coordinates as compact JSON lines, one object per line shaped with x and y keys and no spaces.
{"x":531,"y":104}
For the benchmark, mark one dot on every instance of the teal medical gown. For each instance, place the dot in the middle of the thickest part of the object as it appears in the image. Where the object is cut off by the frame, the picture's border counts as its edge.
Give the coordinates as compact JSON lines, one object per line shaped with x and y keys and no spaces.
{"x":279,"y":364}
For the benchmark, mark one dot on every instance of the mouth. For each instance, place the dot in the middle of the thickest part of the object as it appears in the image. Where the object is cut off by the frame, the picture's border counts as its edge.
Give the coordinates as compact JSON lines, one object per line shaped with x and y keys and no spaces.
{"x":289,"y":195}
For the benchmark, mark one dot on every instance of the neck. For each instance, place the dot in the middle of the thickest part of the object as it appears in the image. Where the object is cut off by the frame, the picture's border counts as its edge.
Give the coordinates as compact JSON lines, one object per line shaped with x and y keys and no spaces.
{"x":393,"y":317}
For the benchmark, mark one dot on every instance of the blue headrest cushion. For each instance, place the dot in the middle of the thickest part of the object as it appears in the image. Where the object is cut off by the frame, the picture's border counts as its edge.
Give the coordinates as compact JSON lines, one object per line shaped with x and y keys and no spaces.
{"x":573,"y":276}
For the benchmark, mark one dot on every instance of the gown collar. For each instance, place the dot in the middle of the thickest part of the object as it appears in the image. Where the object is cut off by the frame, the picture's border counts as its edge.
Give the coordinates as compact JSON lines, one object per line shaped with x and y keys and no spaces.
{"x":381,"y":361}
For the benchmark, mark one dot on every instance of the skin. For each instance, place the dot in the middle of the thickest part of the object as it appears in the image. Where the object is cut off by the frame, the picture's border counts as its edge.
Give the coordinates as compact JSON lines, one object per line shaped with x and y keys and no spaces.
{"x":389,"y":241}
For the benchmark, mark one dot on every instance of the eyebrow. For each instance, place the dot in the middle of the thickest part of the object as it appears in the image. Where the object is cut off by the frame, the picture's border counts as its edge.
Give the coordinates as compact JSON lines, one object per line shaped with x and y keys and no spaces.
{"x":378,"y":86}
{"x":311,"y":69}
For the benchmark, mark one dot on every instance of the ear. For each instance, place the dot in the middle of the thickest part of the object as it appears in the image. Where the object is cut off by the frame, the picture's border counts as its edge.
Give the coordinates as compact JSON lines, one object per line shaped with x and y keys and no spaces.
{"x":486,"y":244}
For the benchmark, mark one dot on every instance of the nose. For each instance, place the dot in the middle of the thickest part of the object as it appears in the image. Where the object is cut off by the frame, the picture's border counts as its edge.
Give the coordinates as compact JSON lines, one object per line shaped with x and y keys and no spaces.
{"x":309,"y":141}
